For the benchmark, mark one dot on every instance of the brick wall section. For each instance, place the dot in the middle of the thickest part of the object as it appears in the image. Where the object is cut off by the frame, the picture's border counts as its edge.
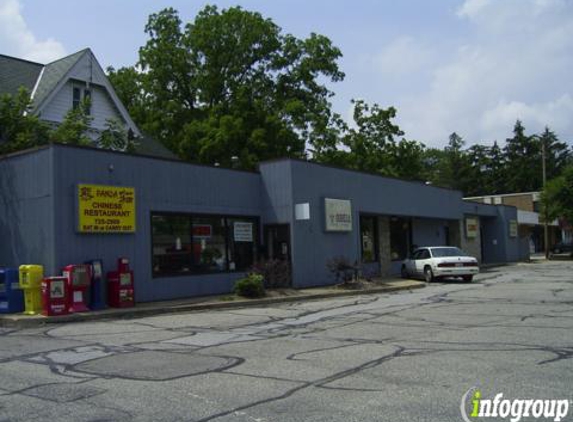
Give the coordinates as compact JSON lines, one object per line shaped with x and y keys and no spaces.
{"x":471,"y":246}
{"x":521,"y":202}
{"x":384,"y":245}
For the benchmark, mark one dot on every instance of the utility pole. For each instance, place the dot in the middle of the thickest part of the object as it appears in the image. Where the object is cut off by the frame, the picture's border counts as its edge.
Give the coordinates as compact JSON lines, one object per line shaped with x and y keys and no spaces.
{"x":545,"y":223}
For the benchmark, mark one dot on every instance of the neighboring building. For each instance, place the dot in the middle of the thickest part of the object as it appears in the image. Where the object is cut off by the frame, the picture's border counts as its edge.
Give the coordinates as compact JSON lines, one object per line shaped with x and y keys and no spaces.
{"x":58,"y":86}
{"x":192,"y":230}
{"x":530,"y":221}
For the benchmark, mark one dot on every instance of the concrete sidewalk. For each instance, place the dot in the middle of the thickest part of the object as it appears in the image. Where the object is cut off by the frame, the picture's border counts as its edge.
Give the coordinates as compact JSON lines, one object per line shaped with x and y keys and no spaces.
{"x":209,"y":302}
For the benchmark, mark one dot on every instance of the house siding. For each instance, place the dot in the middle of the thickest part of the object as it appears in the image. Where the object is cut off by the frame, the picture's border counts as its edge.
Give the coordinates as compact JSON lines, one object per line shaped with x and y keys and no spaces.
{"x":102,"y":107}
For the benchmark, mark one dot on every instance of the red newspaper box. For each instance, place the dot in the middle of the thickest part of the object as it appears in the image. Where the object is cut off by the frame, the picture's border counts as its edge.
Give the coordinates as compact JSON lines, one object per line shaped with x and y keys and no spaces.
{"x":55,"y":296}
{"x":79,"y":277}
{"x":120,"y":285}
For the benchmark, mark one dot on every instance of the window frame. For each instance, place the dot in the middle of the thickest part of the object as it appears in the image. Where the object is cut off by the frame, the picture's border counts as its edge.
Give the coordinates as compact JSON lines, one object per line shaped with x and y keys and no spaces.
{"x":76,"y":103}
{"x":83,"y":92}
{"x":256,"y":240}
{"x":87,"y":95}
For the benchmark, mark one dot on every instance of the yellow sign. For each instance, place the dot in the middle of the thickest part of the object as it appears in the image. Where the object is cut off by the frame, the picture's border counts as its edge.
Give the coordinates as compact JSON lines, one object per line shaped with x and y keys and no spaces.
{"x":106,"y":209}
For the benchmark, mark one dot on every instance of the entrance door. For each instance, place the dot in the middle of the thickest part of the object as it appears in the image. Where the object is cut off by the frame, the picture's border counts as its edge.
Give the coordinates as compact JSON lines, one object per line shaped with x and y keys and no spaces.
{"x":277,"y":242}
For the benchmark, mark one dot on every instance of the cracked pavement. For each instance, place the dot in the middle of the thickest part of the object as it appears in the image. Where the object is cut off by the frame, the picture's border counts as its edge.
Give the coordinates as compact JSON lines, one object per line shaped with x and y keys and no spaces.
{"x":407,"y":356}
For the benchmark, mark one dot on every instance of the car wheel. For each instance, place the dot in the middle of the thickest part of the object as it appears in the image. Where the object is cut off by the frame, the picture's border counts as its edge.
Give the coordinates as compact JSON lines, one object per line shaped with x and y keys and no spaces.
{"x":468,"y":278}
{"x":428,"y":275}
{"x":404,"y":272}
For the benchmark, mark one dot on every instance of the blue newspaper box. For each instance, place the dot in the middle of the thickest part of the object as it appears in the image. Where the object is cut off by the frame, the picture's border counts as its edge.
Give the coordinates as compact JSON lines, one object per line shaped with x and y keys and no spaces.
{"x":97,"y":288}
{"x":11,"y":295}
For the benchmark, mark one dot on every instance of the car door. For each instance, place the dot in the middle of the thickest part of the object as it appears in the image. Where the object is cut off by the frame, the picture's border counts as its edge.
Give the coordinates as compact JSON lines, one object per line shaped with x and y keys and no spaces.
{"x":411,"y":263}
{"x":422,"y":260}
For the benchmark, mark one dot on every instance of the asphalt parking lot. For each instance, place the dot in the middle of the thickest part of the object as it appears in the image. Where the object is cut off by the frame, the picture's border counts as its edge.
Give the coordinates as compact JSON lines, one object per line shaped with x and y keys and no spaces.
{"x":407,"y":356}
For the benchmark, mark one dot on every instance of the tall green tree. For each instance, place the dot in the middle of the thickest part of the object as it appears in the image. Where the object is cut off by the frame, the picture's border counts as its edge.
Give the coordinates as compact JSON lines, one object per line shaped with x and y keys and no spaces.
{"x":230,"y":84}
{"x":373,"y":143}
{"x":523,"y":161}
{"x":19,"y":129}
{"x":453,"y":167}
{"x":558,"y":155}
{"x":557,"y":197}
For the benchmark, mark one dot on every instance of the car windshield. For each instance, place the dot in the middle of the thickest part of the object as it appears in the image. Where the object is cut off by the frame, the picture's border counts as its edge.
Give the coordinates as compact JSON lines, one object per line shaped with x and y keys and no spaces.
{"x":444,"y":252}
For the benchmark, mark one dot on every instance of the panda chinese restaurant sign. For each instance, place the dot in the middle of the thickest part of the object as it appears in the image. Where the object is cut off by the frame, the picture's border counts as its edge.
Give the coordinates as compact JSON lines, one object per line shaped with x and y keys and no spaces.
{"x":106,"y":209}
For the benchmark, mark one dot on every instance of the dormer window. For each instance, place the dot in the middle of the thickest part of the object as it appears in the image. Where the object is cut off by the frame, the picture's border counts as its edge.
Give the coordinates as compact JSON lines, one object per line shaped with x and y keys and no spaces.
{"x":77,"y":100}
{"x":80,"y":95}
{"x":88,"y":99}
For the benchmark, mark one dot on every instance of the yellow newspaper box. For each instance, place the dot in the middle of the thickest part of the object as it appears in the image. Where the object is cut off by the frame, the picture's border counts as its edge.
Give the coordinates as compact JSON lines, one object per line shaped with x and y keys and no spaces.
{"x":31,"y":282}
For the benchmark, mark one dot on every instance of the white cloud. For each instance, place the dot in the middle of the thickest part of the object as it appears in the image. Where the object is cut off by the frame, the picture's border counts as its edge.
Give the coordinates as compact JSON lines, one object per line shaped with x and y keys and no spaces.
{"x":403,"y":56}
{"x":555,"y":114}
{"x":471,"y":8}
{"x":18,"y":40}
{"x":514,"y":64}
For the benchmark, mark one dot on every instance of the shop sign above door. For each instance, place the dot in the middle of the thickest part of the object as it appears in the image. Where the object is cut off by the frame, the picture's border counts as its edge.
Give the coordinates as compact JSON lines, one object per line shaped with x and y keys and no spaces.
{"x":105,"y":209}
{"x":338,"y":213}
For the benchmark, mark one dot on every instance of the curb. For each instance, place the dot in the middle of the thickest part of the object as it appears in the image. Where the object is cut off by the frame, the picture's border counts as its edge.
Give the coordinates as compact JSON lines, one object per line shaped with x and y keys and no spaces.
{"x":20,"y":321}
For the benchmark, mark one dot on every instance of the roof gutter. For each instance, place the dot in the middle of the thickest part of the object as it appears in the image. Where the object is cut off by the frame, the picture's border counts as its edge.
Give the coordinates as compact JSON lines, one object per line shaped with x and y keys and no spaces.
{"x":36,"y":87}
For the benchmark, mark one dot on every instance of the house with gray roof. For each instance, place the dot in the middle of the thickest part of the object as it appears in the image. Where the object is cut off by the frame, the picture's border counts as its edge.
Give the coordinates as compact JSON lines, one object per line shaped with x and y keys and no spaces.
{"x":58,"y":86}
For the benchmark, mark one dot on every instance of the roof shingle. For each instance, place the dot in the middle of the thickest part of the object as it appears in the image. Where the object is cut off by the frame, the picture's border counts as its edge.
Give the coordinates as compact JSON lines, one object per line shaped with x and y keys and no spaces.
{"x":16,"y":73}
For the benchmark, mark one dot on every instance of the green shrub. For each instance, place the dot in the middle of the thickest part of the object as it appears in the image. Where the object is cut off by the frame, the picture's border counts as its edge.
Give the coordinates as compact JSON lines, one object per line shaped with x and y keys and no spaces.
{"x":252,"y":286}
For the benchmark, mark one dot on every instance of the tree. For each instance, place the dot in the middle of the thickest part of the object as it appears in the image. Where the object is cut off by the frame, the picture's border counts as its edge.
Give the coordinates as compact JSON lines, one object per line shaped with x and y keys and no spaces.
{"x":557,"y":153}
{"x":371,"y":144}
{"x":128,"y":86}
{"x":74,"y":127}
{"x":116,"y":138}
{"x":230,"y":84}
{"x":557,"y":197}
{"x":497,"y":180}
{"x":453,"y":167}
{"x":523,"y":161}
{"x":19,"y":129}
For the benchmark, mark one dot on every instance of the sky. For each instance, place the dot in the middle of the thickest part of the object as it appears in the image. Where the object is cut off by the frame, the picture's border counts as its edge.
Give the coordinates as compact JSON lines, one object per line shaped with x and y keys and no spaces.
{"x":469,"y":66}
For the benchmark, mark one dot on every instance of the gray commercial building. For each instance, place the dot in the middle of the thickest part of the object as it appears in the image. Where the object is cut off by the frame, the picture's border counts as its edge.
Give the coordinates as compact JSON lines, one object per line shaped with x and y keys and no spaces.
{"x":196,"y":229}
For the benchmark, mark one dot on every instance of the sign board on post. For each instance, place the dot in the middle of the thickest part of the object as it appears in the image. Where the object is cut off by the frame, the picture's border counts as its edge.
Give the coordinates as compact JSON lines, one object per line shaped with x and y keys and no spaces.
{"x":512,"y":228}
{"x":105,"y":209}
{"x":242,"y":231}
{"x":338,"y":214}
{"x":471,"y":227}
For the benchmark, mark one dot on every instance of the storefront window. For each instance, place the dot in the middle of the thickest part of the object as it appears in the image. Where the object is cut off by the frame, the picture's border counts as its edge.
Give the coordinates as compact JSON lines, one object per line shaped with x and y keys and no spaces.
{"x":368,"y":235}
{"x":199,"y":244}
{"x":209,"y":244}
{"x":171,"y":235}
{"x":400,"y":234}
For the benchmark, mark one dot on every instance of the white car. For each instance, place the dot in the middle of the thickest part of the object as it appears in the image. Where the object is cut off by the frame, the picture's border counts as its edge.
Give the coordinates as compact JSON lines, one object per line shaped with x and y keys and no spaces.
{"x":434,"y":262}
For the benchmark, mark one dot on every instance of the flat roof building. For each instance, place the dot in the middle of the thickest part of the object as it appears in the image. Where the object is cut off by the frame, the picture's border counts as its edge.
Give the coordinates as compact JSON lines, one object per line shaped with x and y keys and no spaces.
{"x":193,"y":230}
